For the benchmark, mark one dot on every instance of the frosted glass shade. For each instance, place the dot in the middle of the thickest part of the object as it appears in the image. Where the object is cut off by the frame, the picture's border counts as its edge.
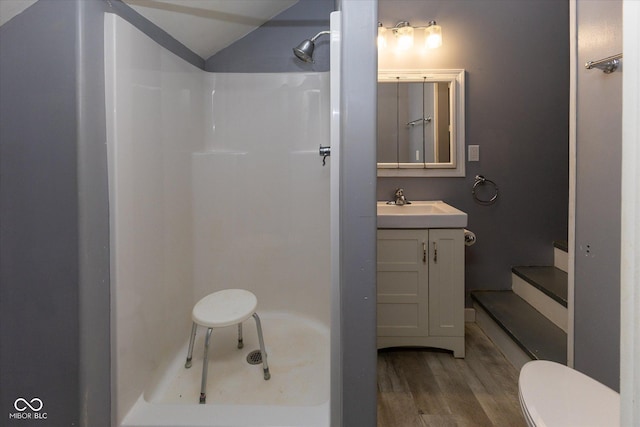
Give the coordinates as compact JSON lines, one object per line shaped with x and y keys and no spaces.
{"x":404,"y":38}
{"x":382,"y":37}
{"x":433,"y":36}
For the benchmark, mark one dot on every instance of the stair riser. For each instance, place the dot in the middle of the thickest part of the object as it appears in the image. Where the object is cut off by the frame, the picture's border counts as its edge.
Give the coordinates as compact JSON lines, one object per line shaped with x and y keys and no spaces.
{"x":553,"y":311}
{"x":561,"y":259}
{"x":511,"y":351}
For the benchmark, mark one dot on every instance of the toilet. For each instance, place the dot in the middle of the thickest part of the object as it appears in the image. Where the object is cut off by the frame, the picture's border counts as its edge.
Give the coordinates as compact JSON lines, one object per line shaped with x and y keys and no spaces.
{"x":554,"y":395}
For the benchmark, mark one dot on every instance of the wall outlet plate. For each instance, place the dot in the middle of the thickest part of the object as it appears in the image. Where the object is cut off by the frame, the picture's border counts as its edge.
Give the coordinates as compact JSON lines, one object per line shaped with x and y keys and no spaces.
{"x":474,"y":153}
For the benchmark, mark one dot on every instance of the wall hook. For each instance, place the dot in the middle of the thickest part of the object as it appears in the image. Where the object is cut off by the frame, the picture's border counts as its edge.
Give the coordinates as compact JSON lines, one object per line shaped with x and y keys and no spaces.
{"x":607,"y":65}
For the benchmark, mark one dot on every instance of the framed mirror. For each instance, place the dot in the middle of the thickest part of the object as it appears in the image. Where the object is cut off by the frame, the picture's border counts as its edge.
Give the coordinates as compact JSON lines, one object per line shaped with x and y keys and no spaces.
{"x":421,"y":123}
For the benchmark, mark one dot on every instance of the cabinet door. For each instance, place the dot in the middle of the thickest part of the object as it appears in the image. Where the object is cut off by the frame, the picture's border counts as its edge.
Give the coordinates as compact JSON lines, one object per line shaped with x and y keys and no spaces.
{"x":446,"y":282}
{"x":402,"y":274}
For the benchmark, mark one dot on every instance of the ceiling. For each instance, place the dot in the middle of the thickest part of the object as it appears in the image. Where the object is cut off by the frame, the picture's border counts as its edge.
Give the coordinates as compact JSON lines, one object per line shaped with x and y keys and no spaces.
{"x":204,"y":26}
{"x":208,"y":26}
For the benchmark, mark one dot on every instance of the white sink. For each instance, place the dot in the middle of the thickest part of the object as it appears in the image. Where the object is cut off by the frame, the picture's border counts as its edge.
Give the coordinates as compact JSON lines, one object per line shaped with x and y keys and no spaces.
{"x":420,"y":214}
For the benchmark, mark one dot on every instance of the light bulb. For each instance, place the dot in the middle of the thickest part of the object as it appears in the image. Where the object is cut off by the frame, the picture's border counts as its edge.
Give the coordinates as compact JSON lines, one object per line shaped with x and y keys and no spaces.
{"x":405,"y":37}
{"x":382,"y":37}
{"x":433,"y":36}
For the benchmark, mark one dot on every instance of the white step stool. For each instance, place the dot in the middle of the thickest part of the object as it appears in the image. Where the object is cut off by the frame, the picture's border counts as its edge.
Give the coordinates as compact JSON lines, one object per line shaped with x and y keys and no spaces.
{"x":217,"y":310}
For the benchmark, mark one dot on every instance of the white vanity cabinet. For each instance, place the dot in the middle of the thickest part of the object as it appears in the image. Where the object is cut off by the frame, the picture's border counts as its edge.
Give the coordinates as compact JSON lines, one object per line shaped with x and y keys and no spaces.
{"x":420,"y":296}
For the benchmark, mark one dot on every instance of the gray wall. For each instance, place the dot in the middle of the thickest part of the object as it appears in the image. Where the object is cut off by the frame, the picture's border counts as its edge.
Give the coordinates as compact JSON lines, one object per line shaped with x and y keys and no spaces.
{"x":358,"y":213}
{"x":516,"y":55}
{"x":54,"y":253}
{"x":54,"y":224}
{"x":39,"y":351}
{"x":598,"y":198}
{"x":93,"y":219}
{"x":269,"y":49}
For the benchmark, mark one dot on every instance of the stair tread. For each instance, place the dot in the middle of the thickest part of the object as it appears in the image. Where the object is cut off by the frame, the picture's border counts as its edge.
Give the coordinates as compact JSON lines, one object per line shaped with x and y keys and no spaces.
{"x":535,"y":334}
{"x":563,"y":245}
{"x":550,"y":280}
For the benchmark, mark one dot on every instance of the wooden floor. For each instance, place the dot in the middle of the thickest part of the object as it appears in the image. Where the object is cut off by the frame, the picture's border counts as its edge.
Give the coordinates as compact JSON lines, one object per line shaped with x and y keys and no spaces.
{"x":426,"y":387}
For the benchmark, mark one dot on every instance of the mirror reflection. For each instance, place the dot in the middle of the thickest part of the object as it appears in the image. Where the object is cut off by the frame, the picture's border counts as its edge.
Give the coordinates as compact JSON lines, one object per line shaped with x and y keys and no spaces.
{"x":421,"y":123}
{"x":414,"y":122}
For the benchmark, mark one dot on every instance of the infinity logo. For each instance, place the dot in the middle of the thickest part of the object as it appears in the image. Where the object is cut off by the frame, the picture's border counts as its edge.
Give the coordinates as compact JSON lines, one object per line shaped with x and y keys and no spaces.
{"x":21,"y":404}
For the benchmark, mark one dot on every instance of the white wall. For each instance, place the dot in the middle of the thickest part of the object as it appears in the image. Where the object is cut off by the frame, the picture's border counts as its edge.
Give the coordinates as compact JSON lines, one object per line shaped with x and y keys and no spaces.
{"x":155,"y":121}
{"x":262,"y":194}
{"x":215,"y":182}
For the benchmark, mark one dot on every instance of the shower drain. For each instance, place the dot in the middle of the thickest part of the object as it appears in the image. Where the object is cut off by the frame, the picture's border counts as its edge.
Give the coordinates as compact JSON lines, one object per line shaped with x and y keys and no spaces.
{"x":254,"y":358}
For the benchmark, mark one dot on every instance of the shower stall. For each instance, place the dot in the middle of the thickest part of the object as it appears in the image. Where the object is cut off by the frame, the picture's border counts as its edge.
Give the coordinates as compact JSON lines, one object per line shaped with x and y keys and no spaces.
{"x":215,"y":182}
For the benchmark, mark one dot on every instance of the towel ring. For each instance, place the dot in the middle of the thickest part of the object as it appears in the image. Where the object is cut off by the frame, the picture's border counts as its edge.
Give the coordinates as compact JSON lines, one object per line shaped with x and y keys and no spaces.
{"x":481,"y":180}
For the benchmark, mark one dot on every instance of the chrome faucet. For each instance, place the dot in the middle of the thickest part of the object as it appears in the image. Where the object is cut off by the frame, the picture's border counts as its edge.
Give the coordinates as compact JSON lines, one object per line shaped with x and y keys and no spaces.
{"x":399,"y":198}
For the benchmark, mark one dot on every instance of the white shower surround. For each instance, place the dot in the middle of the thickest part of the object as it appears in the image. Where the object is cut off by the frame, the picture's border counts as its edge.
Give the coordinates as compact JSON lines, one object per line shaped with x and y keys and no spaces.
{"x":215,"y":182}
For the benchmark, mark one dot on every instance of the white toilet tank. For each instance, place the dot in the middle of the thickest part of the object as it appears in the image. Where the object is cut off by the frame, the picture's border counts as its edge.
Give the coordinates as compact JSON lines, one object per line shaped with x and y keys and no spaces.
{"x":554,"y":395}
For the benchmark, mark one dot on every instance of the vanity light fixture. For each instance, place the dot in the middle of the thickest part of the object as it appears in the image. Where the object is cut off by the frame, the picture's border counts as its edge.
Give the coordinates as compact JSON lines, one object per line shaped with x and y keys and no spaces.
{"x":382,"y":36}
{"x":433,"y":35}
{"x":404,"y":35}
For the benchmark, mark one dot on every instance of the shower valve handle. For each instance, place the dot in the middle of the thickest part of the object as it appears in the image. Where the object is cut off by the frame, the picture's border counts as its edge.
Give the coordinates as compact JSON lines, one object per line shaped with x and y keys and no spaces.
{"x":324,"y":152}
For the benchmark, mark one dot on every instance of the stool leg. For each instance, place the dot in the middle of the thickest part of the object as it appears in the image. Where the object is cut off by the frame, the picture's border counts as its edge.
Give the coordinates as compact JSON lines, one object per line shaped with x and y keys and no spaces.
{"x":265,"y":366}
{"x":205,"y":366}
{"x":240,"y":342}
{"x":190,"y":352}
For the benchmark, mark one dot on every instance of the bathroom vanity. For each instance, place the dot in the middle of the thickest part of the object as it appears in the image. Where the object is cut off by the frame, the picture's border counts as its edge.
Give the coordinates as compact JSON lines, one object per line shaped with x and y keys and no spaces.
{"x":420,"y":276}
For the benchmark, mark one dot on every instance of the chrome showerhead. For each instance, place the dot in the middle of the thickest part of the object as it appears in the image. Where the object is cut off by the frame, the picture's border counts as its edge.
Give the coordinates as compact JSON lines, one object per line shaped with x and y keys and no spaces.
{"x":304,"y":50}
